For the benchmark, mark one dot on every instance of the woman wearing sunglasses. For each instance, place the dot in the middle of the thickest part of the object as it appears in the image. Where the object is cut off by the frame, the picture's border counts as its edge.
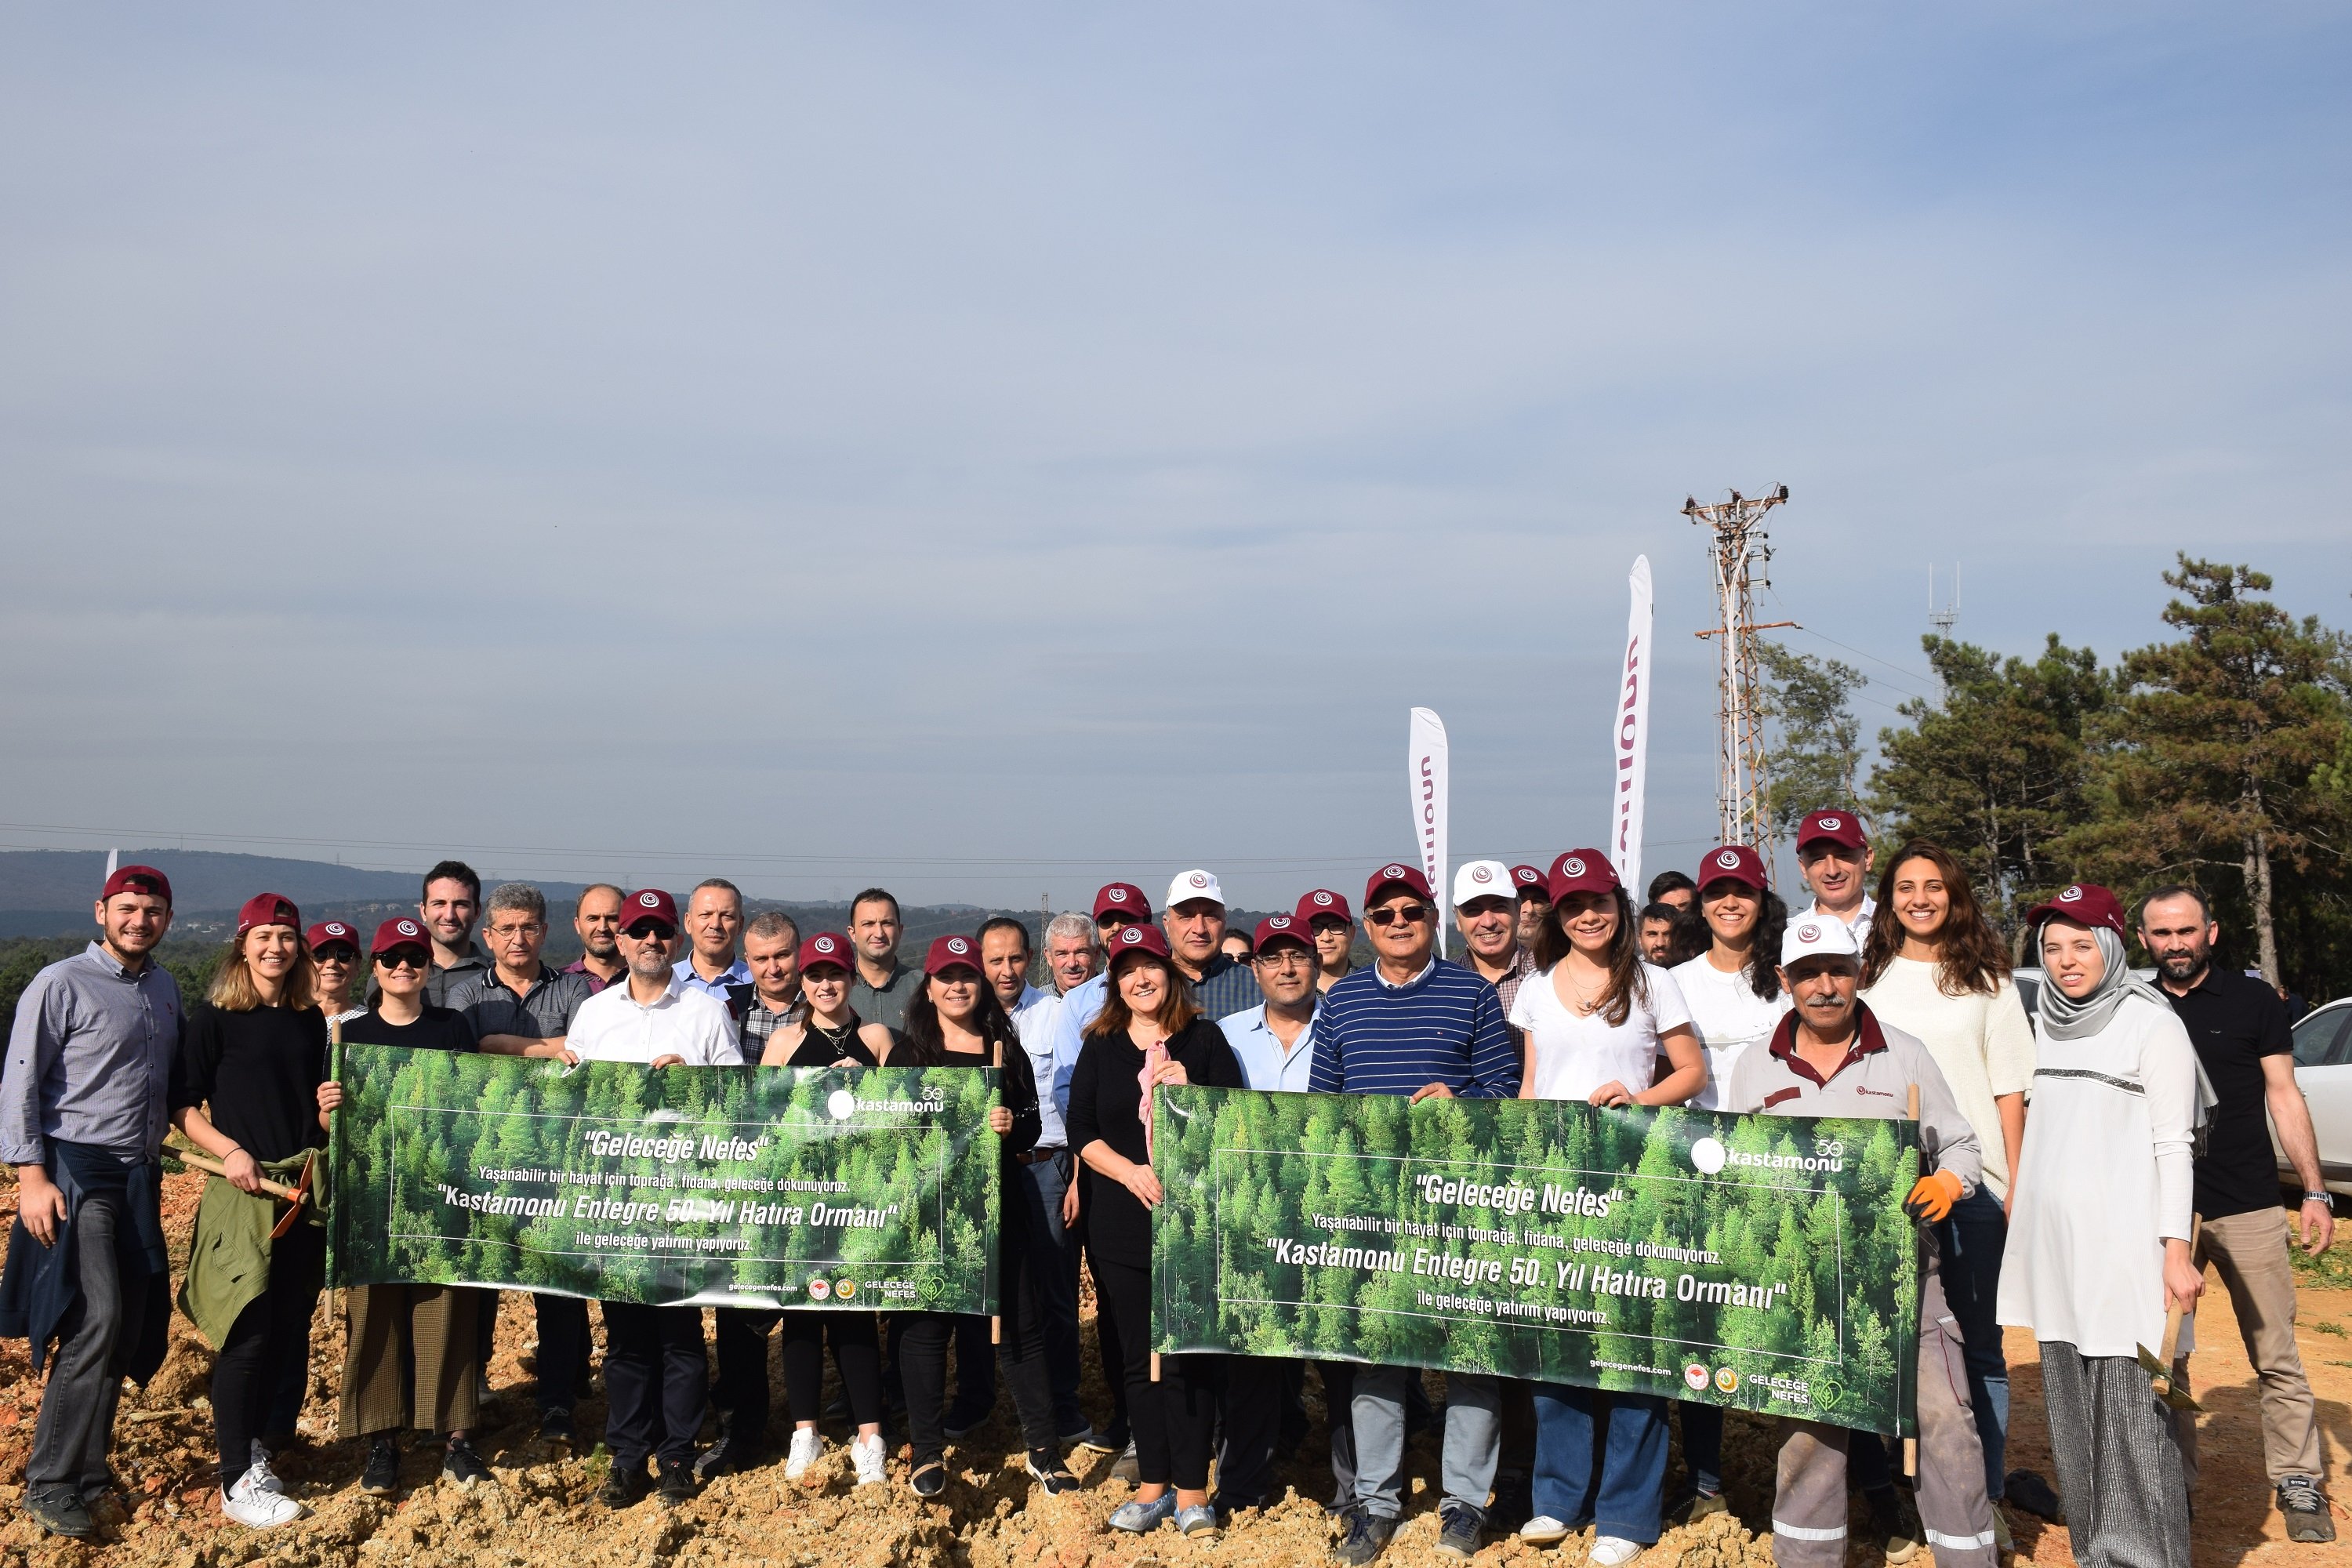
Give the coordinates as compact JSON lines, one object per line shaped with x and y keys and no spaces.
{"x":831,"y":1035}
{"x":955,"y":1020}
{"x":412,"y":1353}
{"x":1147,"y":1035}
{"x":249,"y":1087}
{"x":1597,"y":1019}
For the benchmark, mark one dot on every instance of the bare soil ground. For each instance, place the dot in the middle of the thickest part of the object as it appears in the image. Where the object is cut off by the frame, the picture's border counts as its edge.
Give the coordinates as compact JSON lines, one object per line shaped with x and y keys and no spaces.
{"x":543,"y":1509}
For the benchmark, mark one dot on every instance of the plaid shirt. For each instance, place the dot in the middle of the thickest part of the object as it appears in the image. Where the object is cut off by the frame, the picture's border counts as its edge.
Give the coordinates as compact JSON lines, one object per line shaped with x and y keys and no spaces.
{"x":760,"y":1022}
{"x":1523,"y":964}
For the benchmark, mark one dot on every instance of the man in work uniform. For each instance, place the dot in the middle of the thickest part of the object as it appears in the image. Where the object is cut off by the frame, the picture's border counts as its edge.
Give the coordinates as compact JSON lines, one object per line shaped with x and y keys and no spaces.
{"x":1830,"y":1056}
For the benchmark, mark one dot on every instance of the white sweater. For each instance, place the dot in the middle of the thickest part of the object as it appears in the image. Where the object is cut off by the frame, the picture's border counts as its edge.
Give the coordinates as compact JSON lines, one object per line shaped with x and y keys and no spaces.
{"x":1984,"y":1045}
{"x":2103,"y":1179}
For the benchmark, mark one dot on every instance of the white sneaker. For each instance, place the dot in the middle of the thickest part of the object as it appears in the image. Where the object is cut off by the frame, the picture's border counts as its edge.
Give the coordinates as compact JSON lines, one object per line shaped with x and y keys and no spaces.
{"x":264,"y":1479}
{"x":807,"y":1450}
{"x":1611,"y":1550}
{"x":1543,"y":1531}
{"x":868,"y":1455}
{"x":248,"y":1504}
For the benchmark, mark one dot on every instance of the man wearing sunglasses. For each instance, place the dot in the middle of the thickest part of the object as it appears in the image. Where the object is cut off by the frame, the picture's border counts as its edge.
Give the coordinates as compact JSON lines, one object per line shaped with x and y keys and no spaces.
{"x":1414,"y":1026}
{"x":654,"y":1368}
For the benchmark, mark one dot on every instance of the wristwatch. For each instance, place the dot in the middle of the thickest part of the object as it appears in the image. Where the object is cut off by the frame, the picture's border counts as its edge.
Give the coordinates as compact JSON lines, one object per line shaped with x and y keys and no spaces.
{"x":2322,"y":1197}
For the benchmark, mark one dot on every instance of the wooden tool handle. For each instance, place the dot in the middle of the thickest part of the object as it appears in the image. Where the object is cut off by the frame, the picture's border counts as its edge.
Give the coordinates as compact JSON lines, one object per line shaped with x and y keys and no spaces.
{"x":2174,"y":1313}
{"x":207,"y":1163}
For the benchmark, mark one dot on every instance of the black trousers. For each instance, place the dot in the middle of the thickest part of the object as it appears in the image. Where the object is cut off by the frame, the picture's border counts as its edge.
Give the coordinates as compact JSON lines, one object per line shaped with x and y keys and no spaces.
{"x":857,"y":1352}
{"x":273,"y":1329}
{"x":1175,"y":1418}
{"x":739,"y":1338}
{"x":1250,"y":1394}
{"x":923,"y":1363}
{"x":656,"y":1382}
{"x":562,"y":1350}
{"x":1107,"y":1343}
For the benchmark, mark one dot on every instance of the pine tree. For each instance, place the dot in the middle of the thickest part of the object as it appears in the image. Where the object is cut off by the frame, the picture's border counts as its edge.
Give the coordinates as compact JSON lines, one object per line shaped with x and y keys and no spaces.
{"x":1817,"y":752}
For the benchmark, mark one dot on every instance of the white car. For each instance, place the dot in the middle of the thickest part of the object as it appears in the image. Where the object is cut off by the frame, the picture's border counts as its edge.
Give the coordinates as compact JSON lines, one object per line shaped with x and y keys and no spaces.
{"x":2323,"y":1068}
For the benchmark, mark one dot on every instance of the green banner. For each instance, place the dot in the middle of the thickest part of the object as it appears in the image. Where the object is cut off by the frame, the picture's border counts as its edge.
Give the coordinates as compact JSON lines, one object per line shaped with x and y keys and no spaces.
{"x":864,"y":1189}
{"x":1763,"y":1263}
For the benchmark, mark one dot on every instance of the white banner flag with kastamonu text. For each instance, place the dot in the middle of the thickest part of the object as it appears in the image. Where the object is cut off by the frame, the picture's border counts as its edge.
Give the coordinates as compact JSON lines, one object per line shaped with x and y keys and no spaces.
{"x":1425,"y":779}
{"x":1630,"y":737}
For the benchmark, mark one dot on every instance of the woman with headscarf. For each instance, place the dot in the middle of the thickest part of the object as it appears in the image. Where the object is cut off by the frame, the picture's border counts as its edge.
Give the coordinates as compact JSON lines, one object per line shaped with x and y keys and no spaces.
{"x":2100,"y":1231}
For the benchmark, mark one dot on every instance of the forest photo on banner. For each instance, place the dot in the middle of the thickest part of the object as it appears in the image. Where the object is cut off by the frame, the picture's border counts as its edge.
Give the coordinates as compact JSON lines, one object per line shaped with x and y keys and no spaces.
{"x":1758,"y":1262}
{"x":867,"y":1189}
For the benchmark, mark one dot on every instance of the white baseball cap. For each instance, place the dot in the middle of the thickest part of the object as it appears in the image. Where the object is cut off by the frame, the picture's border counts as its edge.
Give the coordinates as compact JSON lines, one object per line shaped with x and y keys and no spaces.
{"x":1194,"y":884}
{"x":1483,"y":880}
{"x":1817,"y":936}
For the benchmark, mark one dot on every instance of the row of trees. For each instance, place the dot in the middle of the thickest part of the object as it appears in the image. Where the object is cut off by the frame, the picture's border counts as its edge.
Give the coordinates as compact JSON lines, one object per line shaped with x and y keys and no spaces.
{"x":2220,"y":757}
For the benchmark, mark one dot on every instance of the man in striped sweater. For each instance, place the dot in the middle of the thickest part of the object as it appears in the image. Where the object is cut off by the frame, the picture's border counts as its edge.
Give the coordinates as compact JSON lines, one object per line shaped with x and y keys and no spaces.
{"x":1414,"y":1026}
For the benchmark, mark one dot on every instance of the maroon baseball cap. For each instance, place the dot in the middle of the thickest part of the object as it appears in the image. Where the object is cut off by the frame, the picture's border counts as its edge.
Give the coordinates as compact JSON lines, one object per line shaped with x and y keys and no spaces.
{"x":401,"y":930}
{"x":1842,"y":828}
{"x":267,"y":909}
{"x":2084,"y":903}
{"x":329,"y":931}
{"x":649,"y":904}
{"x":1138,"y":939}
{"x":1531,"y":882}
{"x":827,"y":947}
{"x":1582,"y":871}
{"x":1283,"y":928}
{"x":1396,"y":873}
{"x":947,"y":951}
{"x":1122,"y":899}
{"x":1323,"y":902}
{"x":1733,"y":863}
{"x":137,"y":880}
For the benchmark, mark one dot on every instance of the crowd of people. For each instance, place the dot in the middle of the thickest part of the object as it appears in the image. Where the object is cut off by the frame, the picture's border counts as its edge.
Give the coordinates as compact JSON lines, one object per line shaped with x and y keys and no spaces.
{"x":2083,"y":1163}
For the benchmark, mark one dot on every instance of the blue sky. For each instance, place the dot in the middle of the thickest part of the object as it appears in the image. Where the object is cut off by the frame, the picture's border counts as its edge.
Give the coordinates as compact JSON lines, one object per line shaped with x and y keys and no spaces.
{"x":992,"y":452}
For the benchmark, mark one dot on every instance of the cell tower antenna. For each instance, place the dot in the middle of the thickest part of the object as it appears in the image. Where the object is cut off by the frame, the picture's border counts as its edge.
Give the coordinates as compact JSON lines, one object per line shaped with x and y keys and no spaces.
{"x":1743,"y":557}
{"x":1947,"y":615}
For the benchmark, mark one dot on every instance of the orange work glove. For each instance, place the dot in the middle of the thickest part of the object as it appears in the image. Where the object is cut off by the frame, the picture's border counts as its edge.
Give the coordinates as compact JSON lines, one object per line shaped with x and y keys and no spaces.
{"x":1932,"y":1197}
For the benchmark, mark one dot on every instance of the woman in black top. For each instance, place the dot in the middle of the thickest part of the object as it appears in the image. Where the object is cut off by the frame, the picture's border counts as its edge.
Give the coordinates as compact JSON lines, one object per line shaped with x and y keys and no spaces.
{"x":1148,"y":1030}
{"x":410,"y":1352}
{"x":954,"y":1019}
{"x":830,"y":1035}
{"x":249,"y":1085}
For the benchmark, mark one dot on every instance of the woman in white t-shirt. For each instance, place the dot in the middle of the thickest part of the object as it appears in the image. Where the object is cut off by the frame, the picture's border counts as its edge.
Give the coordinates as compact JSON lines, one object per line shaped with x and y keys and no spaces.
{"x":1596,"y":1019}
{"x":1732,"y":990}
{"x":1935,"y":967}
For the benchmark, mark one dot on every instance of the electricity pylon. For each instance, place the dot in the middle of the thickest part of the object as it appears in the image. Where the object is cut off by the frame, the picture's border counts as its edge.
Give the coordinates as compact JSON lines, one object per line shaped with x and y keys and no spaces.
{"x":1743,"y":557}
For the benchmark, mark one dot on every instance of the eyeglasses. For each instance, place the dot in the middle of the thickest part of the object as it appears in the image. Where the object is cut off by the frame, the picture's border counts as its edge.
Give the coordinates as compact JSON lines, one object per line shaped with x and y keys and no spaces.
{"x":505,"y":932}
{"x":405,"y":957}
{"x":1285,"y":953}
{"x":1411,"y":914}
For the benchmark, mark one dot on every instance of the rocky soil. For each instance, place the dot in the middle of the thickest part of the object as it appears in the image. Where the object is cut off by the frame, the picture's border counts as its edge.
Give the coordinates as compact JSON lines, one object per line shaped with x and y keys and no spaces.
{"x":543,"y":1508}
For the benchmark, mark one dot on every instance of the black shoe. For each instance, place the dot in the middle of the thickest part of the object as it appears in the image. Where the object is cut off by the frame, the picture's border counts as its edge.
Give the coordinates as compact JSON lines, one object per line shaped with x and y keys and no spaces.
{"x":1108,"y":1439}
{"x":462,"y":1465}
{"x":730,"y":1453}
{"x":1224,"y":1507}
{"x":2029,"y":1491}
{"x":555,"y":1426}
{"x":677,"y":1482}
{"x":1051,"y":1476}
{"x":627,"y":1484}
{"x":60,"y":1511}
{"x":2305,"y":1507}
{"x":929,"y":1480}
{"x":1514,"y":1505}
{"x":960,"y":1423}
{"x":1367,"y":1537}
{"x":1459,"y":1528}
{"x":382,"y":1476}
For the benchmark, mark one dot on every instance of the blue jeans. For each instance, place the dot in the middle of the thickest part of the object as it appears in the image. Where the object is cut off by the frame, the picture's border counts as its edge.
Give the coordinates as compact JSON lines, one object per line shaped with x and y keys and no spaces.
{"x":1057,"y":1276}
{"x":1618,"y":1483}
{"x":1972,"y":1240}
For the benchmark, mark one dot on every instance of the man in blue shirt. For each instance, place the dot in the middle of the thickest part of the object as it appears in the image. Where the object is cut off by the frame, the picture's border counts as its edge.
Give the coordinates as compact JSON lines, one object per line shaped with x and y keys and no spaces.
{"x":714,"y":926}
{"x":1413,"y":1026}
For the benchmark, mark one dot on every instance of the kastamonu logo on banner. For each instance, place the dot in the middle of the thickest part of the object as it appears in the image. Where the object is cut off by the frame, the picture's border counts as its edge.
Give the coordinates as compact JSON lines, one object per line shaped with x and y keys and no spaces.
{"x":1758,"y":1262}
{"x":783,"y":1187}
